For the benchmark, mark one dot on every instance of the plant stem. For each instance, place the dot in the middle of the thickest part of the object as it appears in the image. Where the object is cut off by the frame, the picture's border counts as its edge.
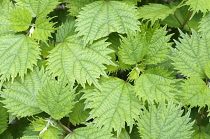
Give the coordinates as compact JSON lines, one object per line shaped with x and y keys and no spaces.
{"x":65,"y":127}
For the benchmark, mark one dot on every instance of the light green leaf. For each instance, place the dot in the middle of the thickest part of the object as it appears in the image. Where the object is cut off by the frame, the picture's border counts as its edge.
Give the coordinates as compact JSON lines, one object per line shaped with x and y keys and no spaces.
{"x":101,"y":18}
{"x":72,"y":60}
{"x":124,"y":135}
{"x":165,"y":122}
{"x":198,"y":5}
{"x":207,"y":69}
{"x":114,"y":105}
{"x":51,"y":133}
{"x":192,"y":54}
{"x":89,"y":132}
{"x":195,"y":92}
{"x":56,"y":98}
{"x":3,"y":118}
{"x":17,"y":54}
{"x":43,"y":29}
{"x":20,"y":96}
{"x":20,"y":19}
{"x":155,"y":85}
{"x":200,"y":135}
{"x":204,"y":25}
{"x":39,"y":8}
{"x":153,"y":12}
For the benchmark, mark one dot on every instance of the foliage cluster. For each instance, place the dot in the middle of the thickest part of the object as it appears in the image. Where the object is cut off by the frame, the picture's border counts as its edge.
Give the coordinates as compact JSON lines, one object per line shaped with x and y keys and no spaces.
{"x":104,"y":69}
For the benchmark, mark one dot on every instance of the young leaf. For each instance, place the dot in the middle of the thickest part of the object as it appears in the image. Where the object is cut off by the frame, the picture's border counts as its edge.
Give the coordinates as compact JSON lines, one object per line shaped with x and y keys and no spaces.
{"x":3,"y":118}
{"x":17,"y":54}
{"x":72,"y":60}
{"x":155,"y":85}
{"x":165,"y":122}
{"x":192,"y":54}
{"x":20,"y":96}
{"x":100,"y":18}
{"x":56,"y":98}
{"x":114,"y":105}
{"x":89,"y":132}
{"x":39,"y":8}
{"x":199,"y":5}
{"x":154,"y":12}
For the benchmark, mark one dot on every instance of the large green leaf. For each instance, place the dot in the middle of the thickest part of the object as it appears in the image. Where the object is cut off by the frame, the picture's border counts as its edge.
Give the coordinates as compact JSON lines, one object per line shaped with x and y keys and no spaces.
{"x":101,"y":18}
{"x":20,"y":96}
{"x":165,"y":122}
{"x":17,"y":54}
{"x":155,"y":85}
{"x":89,"y":132}
{"x":199,"y":5}
{"x":3,"y":118}
{"x":83,"y":64}
{"x":56,"y":98}
{"x":39,"y":8}
{"x":114,"y":105}
{"x":204,"y":25}
{"x":192,"y":54}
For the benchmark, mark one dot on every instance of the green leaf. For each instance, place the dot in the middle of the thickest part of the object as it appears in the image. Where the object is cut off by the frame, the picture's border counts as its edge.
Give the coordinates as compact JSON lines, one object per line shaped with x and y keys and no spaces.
{"x":39,"y":8}
{"x":153,"y":12}
{"x":17,"y":54}
{"x":207,"y":69}
{"x":20,"y":96}
{"x":155,"y":85}
{"x":192,"y":54}
{"x":20,"y":19}
{"x":204,"y":25}
{"x":114,"y":105}
{"x":124,"y":135}
{"x":199,"y":135}
{"x":3,"y":118}
{"x":195,"y":92}
{"x":198,"y":5}
{"x":101,"y":18}
{"x":43,"y":29}
{"x":89,"y":132}
{"x":56,"y":98}
{"x":165,"y":122}
{"x":72,"y":60}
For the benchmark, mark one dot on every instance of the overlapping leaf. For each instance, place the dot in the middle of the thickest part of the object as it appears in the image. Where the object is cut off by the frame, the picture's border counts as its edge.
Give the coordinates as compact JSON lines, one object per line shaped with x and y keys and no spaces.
{"x":199,"y":5}
{"x":114,"y":105}
{"x":83,"y":64}
{"x":39,"y":8}
{"x":155,"y":85}
{"x":17,"y":54}
{"x":56,"y":98}
{"x":204,"y":25}
{"x":89,"y":132}
{"x":192,"y":54}
{"x":165,"y":122}
{"x":20,"y":96}
{"x":100,"y":18}
{"x":3,"y":118}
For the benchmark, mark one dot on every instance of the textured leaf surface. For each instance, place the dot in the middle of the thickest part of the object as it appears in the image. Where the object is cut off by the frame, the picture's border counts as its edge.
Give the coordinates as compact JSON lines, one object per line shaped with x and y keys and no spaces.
{"x":20,"y":97}
{"x":195,"y":92}
{"x":192,"y":54}
{"x":200,"y":135}
{"x":100,"y":18}
{"x":89,"y":132}
{"x":155,"y":85}
{"x":72,"y":60}
{"x":57,"y":98}
{"x":154,"y":12}
{"x":204,"y":25}
{"x":114,"y":105}
{"x":165,"y":122}
{"x":199,"y":5}
{"x":38,"y":7}
{"x":17,"y":54}
{"x":3,"y":118}
{"x":43,"y":29}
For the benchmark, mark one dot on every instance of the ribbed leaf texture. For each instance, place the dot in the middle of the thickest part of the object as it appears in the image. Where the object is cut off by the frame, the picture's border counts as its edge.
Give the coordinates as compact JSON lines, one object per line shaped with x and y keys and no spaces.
{"x":192,"y":54}
{"x":17,"y":54}
{"x":195,"y":92}
{"x":199,"y":5}
{"x":3,"y":118}
{"x":204,"y":25}
{"x":89,"y":132}
{"x":19,"y":18}
{"x":39,"y":8}
{"x":200,"y":135}
{"x":114,"y":105}
{"x":43,"y":29}
{"x":20,"y":96}
{"x":155,"y":85}
{"x":56,"y":98}
{"x":100,"y":18}
{"x":153,"y":12}
{"x":83,"y":64}
{"x":165,"y":122}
